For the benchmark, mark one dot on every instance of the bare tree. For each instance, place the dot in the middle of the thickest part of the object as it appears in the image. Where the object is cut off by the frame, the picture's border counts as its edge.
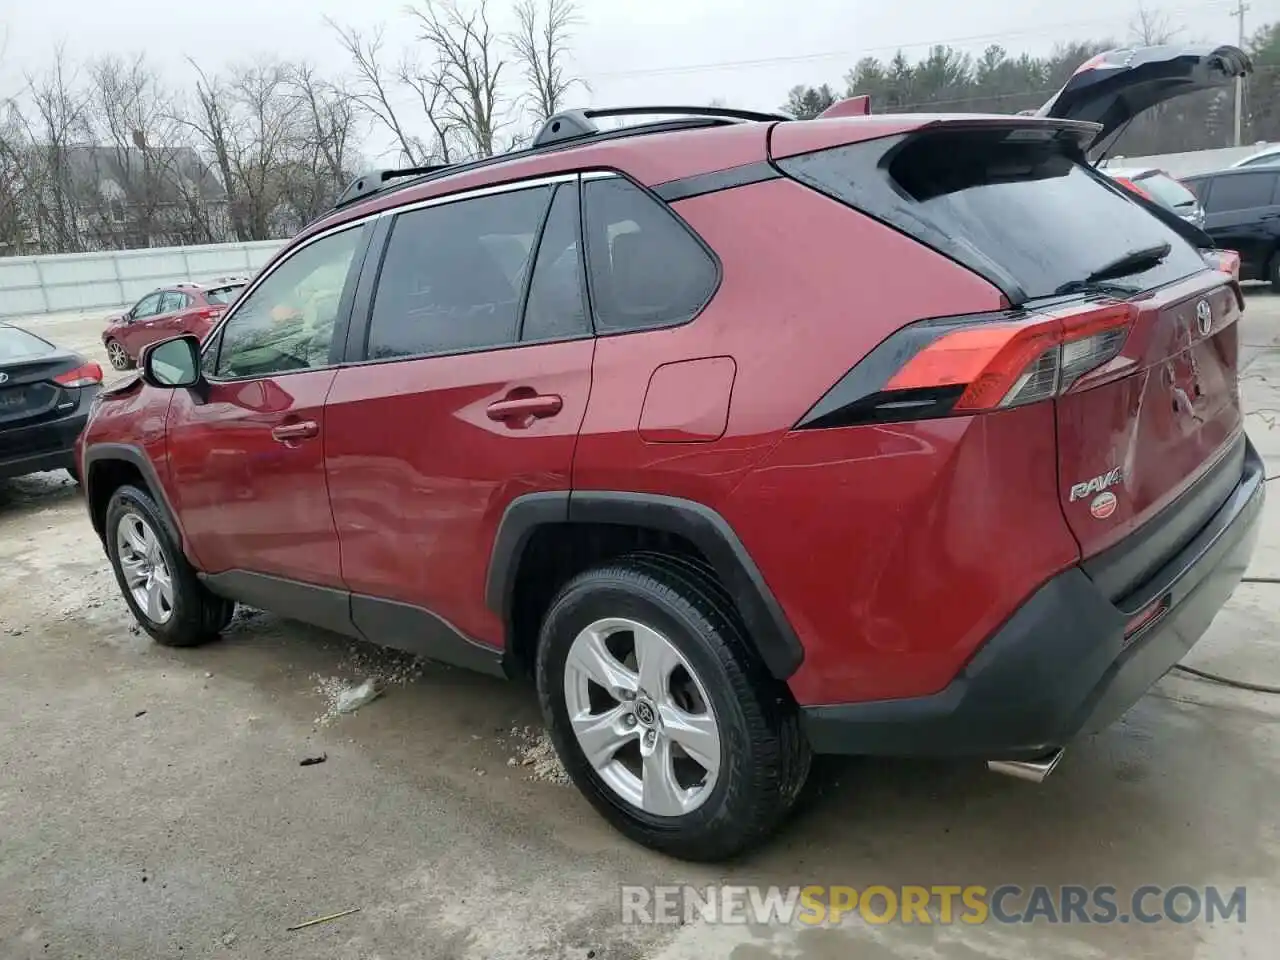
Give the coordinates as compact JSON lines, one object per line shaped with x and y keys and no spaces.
{"x":211,"y":120}
{"x":56,"y":125}
{"x":1151,"y":27}
{"x":324,"y":152}
{"x":541,"y":46}
{"x":374,"y":87}
{"x":430,"y":88}
{"x":469,"y":67}
{"x":14,"y":227}
{"x":134,"y":118}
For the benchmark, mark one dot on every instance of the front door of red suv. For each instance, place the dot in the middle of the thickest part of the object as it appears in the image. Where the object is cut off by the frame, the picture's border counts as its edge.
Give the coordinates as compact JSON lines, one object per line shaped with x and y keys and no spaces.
{"x":247,"y":458}
{"x":476,"y":371}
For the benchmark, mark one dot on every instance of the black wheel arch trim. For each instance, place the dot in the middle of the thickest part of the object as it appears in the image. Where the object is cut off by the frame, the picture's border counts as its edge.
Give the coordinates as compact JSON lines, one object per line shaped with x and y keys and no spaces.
{"x":134,"y":456}
{"x":767,"y":626}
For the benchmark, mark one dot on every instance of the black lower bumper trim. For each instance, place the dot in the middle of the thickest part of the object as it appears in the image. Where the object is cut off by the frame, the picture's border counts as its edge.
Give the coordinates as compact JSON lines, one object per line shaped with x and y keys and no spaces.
{"x":49,"y":446}
{"x":1061,"y":666}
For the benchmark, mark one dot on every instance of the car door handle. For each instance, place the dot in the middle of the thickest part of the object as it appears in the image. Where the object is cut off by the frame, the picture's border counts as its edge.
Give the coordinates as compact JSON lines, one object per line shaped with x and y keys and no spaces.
{"x":525,"y":408}
{"x":293,"y":432}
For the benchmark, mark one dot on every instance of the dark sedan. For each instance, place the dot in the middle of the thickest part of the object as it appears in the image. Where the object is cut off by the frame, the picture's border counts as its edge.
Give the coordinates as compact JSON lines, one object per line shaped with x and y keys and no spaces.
{"x":45,"y":393}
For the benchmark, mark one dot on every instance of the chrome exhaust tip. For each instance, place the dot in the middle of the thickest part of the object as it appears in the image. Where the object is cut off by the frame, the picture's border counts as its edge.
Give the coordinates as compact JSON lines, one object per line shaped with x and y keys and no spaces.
{"x":1033,"y":770}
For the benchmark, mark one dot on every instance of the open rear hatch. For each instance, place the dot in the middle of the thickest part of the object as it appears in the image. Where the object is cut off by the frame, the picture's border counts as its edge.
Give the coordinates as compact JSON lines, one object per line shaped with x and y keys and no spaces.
{"x":1114,"y":317}
{"x":1114,"y":87}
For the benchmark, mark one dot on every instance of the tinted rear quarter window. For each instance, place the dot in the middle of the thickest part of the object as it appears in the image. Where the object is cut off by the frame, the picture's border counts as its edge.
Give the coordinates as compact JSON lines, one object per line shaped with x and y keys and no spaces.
{"x":453,"y":275}
{"x":556,"y":308}
{"x":647,"y":270}
{"x":1241,"y":191}
{"x":1023,"y":213}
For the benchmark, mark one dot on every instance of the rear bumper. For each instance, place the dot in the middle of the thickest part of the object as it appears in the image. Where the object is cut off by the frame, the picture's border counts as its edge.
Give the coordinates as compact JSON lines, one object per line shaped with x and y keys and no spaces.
{"x":42,"y":446}
{"x":1061,"y":666}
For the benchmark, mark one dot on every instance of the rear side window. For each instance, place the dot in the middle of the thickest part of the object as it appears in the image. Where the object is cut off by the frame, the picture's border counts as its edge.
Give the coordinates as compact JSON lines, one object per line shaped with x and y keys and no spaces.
{"x":647,"y":269}
{"x":173,"y":301}
{"x":1241,"y":191}
{"x":453,"y":275}
{"x":1024,"y":213}
{"x":17,"y":344}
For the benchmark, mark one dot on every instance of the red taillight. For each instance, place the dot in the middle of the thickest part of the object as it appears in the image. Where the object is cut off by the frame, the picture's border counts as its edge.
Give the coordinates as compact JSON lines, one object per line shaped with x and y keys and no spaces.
{"x":83,"y":376}
{"x":1009,"y":364}
{"x":1130,"y":185}
{"x":967,"y":365}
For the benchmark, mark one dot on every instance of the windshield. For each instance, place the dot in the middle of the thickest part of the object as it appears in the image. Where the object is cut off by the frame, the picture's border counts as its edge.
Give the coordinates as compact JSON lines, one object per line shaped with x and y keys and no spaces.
{"x":1017,"y":211}
{"x":1168,"y":191}
{"x":17,"y":344}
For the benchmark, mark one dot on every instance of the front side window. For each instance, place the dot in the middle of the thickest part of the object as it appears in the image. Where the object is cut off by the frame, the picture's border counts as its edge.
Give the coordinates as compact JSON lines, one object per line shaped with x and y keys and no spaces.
{"x":453,"y":275}
{"x":287,"y":322}
{"x":148,"y":306}
{"x":646,"y":268}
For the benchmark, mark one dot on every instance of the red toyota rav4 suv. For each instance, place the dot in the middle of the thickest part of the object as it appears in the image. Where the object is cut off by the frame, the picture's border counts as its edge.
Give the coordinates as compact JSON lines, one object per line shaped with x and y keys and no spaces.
{"x":747,"y":438}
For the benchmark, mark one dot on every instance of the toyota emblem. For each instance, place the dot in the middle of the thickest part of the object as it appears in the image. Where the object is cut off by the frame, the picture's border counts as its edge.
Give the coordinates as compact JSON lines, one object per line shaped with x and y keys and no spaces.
{"x":4,"y":377}
{"x":1204,"y":317}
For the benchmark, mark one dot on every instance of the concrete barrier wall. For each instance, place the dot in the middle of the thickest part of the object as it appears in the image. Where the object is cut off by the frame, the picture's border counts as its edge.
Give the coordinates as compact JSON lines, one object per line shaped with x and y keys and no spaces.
{"x":65,"y":283}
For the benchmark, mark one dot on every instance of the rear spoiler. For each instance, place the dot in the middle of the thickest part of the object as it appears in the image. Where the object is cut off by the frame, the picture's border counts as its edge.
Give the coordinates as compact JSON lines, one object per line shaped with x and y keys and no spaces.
{"x":859,"y":106}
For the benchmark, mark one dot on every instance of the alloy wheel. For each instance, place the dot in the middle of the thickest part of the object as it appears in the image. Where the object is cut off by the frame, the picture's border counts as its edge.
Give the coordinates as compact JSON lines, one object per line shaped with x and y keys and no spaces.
{"x":642,"y":717}
{"x":146,"y":573}
{"x":117,"y":355}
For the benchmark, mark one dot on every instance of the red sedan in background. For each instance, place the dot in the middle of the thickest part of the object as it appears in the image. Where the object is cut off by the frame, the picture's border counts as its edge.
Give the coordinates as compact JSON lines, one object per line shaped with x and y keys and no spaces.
{"x":168,"y":312}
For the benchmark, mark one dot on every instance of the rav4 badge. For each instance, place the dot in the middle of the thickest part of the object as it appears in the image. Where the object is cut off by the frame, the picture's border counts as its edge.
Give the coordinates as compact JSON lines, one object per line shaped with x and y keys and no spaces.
{"x":1096,"y":485}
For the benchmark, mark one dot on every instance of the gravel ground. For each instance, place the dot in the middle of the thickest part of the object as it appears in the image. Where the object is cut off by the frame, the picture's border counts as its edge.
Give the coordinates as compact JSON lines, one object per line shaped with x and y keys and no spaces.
{"x":153,"y":801}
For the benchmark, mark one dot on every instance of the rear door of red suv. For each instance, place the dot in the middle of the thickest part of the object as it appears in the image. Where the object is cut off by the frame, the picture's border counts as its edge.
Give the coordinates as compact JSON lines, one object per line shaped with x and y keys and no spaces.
{"x":469,"y":373}
{"x":1115,"y":319}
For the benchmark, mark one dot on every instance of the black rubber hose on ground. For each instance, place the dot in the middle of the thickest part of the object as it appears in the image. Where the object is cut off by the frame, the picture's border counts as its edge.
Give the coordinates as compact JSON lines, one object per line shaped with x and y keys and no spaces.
{"x":1240,"y":684}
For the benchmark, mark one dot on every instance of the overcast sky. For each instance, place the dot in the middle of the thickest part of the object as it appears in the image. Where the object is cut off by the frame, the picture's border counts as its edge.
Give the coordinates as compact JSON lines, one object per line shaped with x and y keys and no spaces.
{"x":745,"y":52}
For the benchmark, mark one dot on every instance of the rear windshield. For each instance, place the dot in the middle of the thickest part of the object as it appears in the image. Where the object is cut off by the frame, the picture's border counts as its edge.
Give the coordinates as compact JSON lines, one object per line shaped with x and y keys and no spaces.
{"x":223,"y":294}
{"x":1026,"y":214}
{"x":1168,"y":191}
{"x":17,"y":344}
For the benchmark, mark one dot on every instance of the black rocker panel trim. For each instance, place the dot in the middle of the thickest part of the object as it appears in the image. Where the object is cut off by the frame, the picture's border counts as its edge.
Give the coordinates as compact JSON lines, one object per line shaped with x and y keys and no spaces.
{"x":326,"y":607}
{"x":766,"y":623}
{"x":388,"y":623}
{"x":418,"y":631}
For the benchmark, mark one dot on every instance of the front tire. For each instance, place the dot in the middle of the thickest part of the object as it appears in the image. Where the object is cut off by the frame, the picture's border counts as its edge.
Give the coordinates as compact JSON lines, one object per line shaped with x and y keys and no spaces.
{"x":662,"y":715}
{"x":159,"y":585}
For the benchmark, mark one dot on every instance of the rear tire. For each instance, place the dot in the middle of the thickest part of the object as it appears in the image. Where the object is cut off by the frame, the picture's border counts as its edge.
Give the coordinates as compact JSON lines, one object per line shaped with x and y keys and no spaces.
{"x":159,"y":585}
{"x":118,"y":356}
{"x":655,"y":609}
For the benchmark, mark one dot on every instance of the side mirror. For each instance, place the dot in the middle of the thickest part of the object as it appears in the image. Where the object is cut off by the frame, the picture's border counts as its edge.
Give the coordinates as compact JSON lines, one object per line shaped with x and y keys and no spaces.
{"x":173,"y":364}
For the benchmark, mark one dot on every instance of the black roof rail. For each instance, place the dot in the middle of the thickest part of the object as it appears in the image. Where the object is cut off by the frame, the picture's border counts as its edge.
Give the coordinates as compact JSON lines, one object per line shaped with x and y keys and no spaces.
{"x":560,"y":131}
{"x":376,"y":180}
{"x":574,"y":124}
